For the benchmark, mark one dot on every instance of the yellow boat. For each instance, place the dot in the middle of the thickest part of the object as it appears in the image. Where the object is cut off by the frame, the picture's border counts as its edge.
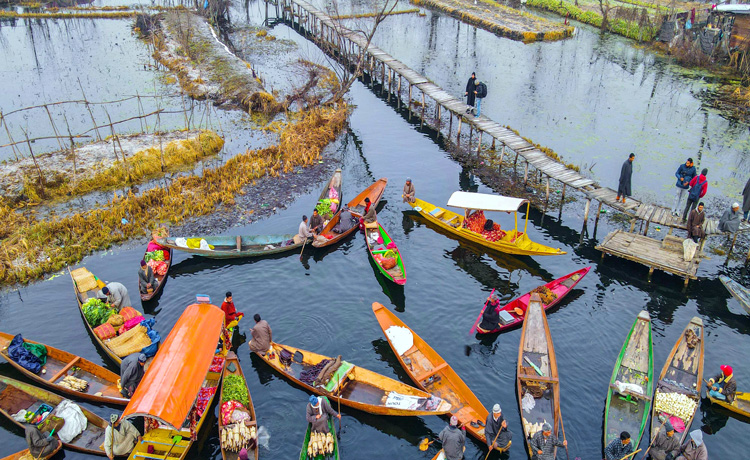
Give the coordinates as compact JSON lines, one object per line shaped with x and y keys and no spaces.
{"x":740,"y":407}
{"x":513,"y":241}
{"x":175,"y":393}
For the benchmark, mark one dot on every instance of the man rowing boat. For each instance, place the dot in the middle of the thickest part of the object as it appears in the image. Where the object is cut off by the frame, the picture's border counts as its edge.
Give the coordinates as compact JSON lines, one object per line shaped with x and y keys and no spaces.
{"x":544,"y":442}
{"x":496,"y":429}
{"x":723,"y":386}
{"x":619,"y":448}
{"x":316,"y":408}
{"x":491,"y":315}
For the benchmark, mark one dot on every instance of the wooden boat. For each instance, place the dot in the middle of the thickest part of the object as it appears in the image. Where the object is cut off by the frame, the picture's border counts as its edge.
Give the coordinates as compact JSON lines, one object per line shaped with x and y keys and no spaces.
{"x":356,"y":387}
{"x":86,"y":286}
{"x":537,"y":373}
{"x":334,"y":456}
{"x":514,"y":242}
{"x":171,"y":390}
{"x":27,"y":453}
{"x":431,"y":373}
{"x":357,"y":207}
{"x":560,"y":287}
{"x":102,"y":382}
{"x":15,"y":395}
{"x":232,"y":359}
{"x":375,"y":233}
{"x":738,"y":291}
{"x":683,"y":374}
{"x":739,"y":408}
{"x":234,"y":247}
{"x":627,"y":410}
{"x":160,"y":278}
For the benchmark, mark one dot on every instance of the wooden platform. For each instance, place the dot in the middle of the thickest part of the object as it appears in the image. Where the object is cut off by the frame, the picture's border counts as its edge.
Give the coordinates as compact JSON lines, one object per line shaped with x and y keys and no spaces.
{"x":649,"y":252}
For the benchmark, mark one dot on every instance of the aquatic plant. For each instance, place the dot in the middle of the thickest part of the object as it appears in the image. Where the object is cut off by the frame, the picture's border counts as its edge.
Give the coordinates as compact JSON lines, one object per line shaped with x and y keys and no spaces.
{"x":71,"y":15}
{"x":372,"y":15}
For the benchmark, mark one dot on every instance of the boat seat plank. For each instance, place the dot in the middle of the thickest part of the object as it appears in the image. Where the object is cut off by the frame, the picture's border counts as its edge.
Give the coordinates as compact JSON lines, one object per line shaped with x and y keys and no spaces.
{"x":62,"y":371}
{"x":537,"y":378}
{"x":430,"y":373}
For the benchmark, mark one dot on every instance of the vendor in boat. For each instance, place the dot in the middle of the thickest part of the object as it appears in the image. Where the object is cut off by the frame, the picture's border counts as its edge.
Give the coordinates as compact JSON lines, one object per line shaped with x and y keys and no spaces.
{"x":496,"y":432}
{"x":694,"y":448}
{"x":40,"y":444}
{"x":318,"y":412}
{"x":131,"y":373}
{"x":665,"y":443}
{"x":304,"y":232}
{"x":316,"y":222}
{"x":147,"y":282}
{"x":453,"y":439}
{"x":231,"y":315}
{"x":544,"y":442}
{"x":408,"y":193}
{"x":120,"y":437}
{"x":346,"y":221}
{"x":723,"y":386}
{"x":491,"y":315}
{"x":618,"y":448}
{"x":370,"y":214}
{"x":116,"y":295}
{"x":262,"y":336}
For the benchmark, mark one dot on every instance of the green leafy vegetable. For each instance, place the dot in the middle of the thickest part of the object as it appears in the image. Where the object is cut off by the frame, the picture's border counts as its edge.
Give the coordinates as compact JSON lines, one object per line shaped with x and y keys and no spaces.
{"x":235,"y":389}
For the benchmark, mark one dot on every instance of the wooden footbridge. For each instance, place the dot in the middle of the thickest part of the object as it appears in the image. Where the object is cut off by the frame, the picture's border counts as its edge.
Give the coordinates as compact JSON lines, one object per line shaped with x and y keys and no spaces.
{"x":438,"y":109}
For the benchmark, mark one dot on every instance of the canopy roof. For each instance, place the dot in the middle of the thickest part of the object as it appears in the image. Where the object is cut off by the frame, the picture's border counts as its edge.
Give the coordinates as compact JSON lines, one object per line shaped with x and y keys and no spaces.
{"x":485,"y":202}
{"x":735,"y":8}
{"x":174,"y":378}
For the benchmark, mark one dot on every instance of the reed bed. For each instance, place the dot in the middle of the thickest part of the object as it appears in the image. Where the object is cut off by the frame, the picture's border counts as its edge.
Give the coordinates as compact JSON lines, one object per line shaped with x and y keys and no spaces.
{"x":68,"y":15}
{"x":372,"y":15}
{"x":32,"y":247}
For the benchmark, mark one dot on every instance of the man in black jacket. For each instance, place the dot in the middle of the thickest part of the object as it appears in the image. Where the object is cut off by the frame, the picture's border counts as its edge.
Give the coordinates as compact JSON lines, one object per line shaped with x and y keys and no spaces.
{"x":470,"y":92}
{"x":481,"y":92}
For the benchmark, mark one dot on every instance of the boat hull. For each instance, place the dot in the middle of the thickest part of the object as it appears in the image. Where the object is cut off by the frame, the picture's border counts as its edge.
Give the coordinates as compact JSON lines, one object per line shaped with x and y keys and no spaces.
{"x":225,"y":247}
{"x":306,"y":442}
{"x":232,"y":359}
{"x":738,"y":291}
{"x":372,"y":250}
{"x":374,"y":192}
{"x":160,"y":278}
{"x":740,"y":408}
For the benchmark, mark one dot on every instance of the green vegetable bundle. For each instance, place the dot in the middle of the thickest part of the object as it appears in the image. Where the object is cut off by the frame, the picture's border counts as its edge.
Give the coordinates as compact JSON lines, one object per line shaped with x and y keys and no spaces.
{"x":235,"y":389}
{"x":324,"y":208}
{"x":157,"y":255}
{"x":96,"y":312}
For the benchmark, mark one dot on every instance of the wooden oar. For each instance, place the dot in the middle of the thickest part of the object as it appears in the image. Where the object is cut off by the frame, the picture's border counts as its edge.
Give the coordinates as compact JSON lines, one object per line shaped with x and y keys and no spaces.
{"x":630,"y":455}
{"x":303,"y":249}
{"x":175,"y":440}
{"x":492,"y":446}
{"x":424,"y":444}
{"x":652,"y":441}
{"x":474,"y":327}
{"x":562,"y":427}
{"x":338,"y":400}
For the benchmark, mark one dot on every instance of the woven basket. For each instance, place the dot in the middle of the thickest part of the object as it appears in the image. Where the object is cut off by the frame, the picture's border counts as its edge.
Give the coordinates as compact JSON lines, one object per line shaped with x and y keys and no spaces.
{"x":133,"y":341}
{"x":84,"y":279}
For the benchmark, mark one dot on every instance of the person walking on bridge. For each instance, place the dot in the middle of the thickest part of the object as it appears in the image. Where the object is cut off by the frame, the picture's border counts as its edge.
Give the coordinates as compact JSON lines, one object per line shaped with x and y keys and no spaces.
{"x":471,"y":92}
{"x":481,"y":93}
{"x":626,"y":174}
{"x":698,"y":189}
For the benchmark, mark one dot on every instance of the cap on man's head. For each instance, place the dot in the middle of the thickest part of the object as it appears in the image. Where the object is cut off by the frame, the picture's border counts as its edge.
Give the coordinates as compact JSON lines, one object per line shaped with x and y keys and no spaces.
{"x":726,"y":369}
{"x":314,"y":400}
{"x":408,"y":179}
{"x":704,"y":171}
{"x":697,"y":436}
{"x":454,"y":420}
{"x":105,"y":290}
{"x":142,"y":358}
{"x":143,"y":263}
{"x":496,"y":409}
{"x":668,"y":427}
{"x":735,"y":205}
{"x":546,"y":427}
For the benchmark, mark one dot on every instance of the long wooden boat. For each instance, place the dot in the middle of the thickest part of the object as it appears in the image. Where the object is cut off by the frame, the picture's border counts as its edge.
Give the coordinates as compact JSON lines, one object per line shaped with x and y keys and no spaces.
{"x":27,"y":454}
{"x":173,"y":385}
{"x":514,"y":241}
{"x":234,"y":247}
{"x":160,"y":278}
{"x":559,"y":287}
{"x":232,"y":359}
{"x":15,"y":395}
{"x":102,"y":386}
{"x":681,"y":374}
{"x":627,"y":409}
{"x":431,"y":373}
{"x":738,"y":291}
{"x":357,"y":387}
{"x":356,"y":206}
{"x":303,"y":453}
{"x":537,"y":374}
{"x":396,"y":274}
{"x":739,"y":408}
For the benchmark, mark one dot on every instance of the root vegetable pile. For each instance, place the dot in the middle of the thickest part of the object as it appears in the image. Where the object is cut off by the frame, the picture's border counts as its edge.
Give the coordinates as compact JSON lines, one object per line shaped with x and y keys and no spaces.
{"x":74,"y":383}
{"x":676,"y":404}
{"x":236,"y":436}
{"x":320,"y":444}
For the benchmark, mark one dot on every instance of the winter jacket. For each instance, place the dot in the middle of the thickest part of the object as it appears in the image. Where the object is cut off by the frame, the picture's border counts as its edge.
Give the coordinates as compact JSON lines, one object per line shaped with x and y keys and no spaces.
{"x":700,"y":179}
{"x":453,"y":440}
{"x":687,"y":174}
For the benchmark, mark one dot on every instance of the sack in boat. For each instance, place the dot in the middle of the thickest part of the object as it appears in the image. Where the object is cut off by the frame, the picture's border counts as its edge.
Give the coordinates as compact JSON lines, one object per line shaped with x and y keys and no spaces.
{"x":116,"y":320}
{"x":105,"y":331}
{"x":132,"y":341}
{"x":129,"y":313}
{"x":388,"y":262}
{"x":285,"y":356}
{"x":51,"y":423}
{"x":691,"y":339}
{"x":131,"y":323}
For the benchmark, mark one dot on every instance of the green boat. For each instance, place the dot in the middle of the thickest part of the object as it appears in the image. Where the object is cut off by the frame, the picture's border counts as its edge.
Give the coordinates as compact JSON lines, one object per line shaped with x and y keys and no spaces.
{"x":629,"y":403}
{"x":232,"y":247}
{"x":334,"y":456}
{"x":377,"y":240}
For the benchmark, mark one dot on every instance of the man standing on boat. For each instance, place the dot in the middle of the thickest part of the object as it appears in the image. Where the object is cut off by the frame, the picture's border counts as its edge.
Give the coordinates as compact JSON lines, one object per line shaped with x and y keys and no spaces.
{"x":262,"y":336}
{"x":496,"y":432}
{"x":626,"y":174}
{"x":544,"y":442}
{"x":117,"y":295}
{"x":723,"y":386}
{"x":453,"y":439}
{"x":409,"y":191}
{"x":120,"y":437}
{"x":304,"y":232}
{"x":40,"y":444}
{"x":665,"y":443}
{"x":131,"y":373}
{"x":619,"y":448}
{"x":318,"y":412}
{"x":231,"y":315}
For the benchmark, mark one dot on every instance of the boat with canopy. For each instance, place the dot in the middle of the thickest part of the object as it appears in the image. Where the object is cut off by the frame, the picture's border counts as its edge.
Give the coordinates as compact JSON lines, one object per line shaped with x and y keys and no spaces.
{"x":473,"y":226}
{"x":180,"y":384}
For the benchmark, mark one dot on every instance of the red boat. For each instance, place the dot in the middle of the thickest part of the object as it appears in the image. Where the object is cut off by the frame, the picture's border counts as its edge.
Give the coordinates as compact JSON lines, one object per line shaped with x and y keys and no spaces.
{"x":559,"y":287}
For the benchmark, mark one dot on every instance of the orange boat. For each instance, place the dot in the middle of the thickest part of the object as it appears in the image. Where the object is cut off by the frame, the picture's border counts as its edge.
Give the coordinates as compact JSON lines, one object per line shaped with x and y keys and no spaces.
{"x":357,"y":207}
{"x":432,"y":374}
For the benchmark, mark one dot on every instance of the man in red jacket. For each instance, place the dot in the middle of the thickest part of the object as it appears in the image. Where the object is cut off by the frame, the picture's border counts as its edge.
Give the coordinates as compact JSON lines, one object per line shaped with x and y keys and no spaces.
{"x":232,"y":315}
{"x":698,"y":189}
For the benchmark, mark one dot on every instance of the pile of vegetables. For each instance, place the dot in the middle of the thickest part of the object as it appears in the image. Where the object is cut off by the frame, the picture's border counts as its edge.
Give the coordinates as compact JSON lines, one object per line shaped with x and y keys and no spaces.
{"x":157,"y":255}
{"x":545,"y":294}
{"x":235,"y":389}
{"x":74,"y":383}
{"x":327,"y":207}
{"x":676,"y":404}
{"x":96,"y":312}
{"x":236,"y":436}
{"x":320,"y":444}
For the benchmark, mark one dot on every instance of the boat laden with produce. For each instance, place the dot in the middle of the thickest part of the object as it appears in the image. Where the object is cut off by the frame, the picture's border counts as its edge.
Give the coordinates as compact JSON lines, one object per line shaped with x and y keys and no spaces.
{"x":384,"y":253}
{"x":678,"y":389}
{"x":238,"y":427}
{"x":474,"y":227}
{"x":159,"y":258}
{"x":320,"y":446}
{"x":329,"y":201}
{"x":179,"y":386}
{"x":118,"y":334}
{"x":70,"y":374}
{"x":352,"y":385}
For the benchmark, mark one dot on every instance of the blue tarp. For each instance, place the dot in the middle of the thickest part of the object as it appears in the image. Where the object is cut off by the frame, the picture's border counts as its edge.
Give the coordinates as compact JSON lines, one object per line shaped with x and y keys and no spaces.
{"x":18,"y":353}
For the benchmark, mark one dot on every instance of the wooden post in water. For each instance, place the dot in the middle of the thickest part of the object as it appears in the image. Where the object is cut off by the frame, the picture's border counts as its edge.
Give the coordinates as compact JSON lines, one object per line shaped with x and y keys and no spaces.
{"x":586,"y":211}
{"x":423,"y":106}
{"x":731,"y":247}
{"x":596,"y":219}
{"x":546,"y":198}
{"x":502,"y":154}
{"x":458,"y":136}
{"x":72,"y":148}
{"x":399,"y":92}
{"x":38,"y":169}
{"x":479,"y":146}
{"x":409,"y":108}
{"x":10,"y":138}
{"x":526,"y":176}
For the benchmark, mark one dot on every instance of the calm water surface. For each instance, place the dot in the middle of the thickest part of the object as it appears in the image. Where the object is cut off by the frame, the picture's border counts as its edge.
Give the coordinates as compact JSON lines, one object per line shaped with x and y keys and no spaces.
{"x":323,"y":302}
